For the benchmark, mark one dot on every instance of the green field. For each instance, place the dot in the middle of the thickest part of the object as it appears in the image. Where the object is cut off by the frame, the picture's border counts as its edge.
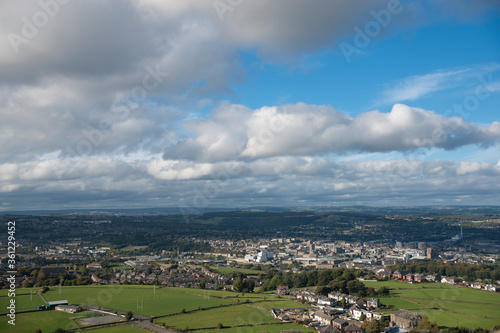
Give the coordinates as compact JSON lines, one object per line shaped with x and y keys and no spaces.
{"x":138,"y":299}
{"x":445,"y":304}
{"x":228,"y":316}
{"x":261,"y":328}
{"x":120,"y":329}
{"x":23,"y":303}
{"x":47,"y":321}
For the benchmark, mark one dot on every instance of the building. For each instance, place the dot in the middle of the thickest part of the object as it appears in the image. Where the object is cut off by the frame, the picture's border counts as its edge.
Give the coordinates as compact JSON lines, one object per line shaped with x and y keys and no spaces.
{"x":53,"y":304}
{"x":282,"y":290}
{"x":373,"y":303}
{"x":383,"y":274}
{"x":264,"y":256}
{"x":68,"y":308}
{"x":399,"y":275}
{"x":431,"y":253}
{"x":94,"y":266}
{"x":406,"y":319}
{"x":328,"y":329}
{"x":323,"y":318}
{"x":340,"y":323}
{"x":353,"y":328}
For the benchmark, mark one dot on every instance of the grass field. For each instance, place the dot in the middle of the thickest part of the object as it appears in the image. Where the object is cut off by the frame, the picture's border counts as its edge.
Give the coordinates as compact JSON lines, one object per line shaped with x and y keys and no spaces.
{"x":23,"y":303}
{"x":445,"y":304}
{"x":162,"y":301}
{"x":261,"y":328}
{"x":120,"y":329}
{"x":47,"y":321}
{"x":228,"y":316}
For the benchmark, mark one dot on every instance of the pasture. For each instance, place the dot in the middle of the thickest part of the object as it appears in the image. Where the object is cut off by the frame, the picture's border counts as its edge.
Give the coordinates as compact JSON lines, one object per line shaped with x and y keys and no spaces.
{"x":443,"y":303}
{"x":243,"y":314}
{"x":47,"y":321}
{"x":275,"y":328}
{"x":23,"y":303}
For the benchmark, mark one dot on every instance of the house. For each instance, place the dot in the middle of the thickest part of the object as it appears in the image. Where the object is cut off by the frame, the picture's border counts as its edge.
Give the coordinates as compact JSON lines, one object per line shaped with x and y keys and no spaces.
{"x":399,"y":275}
{"x":361,"y":303}
{"x":419,"y":278}
{"x":449,"y":280}
{"x":340,"y":323}
{"x":353,"y":328}
{"x":325,"y":301}
{"x":433,"y":278}
{"x":490,"y":287}
{"x":383,"y":274}
{"x":408,"y":277}
{"x":328,"y":329}
{"x":358,"y":313}
{"x":373,"y":303}
{"x":406,"y":319}
{"x":282,"y":290}
{"x":323,"y":318}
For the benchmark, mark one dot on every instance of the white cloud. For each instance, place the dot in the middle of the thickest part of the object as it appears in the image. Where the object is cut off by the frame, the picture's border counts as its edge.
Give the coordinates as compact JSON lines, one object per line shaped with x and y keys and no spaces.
{"x":303,"y":129}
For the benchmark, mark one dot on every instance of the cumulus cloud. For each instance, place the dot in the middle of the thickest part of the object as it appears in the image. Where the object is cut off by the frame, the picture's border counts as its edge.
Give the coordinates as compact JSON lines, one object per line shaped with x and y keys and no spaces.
{"x":303,"y":129}
{"x":94,"y":105}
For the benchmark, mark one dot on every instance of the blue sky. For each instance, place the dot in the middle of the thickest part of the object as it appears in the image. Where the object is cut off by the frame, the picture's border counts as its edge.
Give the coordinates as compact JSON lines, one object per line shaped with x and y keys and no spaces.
{"x":149,"y":103}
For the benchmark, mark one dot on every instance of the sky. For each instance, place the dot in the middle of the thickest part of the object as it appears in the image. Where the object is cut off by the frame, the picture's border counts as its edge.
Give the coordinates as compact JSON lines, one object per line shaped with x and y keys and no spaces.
{"x":244,"y":103}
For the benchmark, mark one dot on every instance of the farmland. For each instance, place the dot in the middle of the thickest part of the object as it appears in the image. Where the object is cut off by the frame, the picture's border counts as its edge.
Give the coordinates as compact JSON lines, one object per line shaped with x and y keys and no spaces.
{"x":205,"y":310}
{"x":445,"y":304}
{"x":177,"y":307}
{"x":47,"y":321}
{"x":140,"y":299}
{"x":23,"y":303}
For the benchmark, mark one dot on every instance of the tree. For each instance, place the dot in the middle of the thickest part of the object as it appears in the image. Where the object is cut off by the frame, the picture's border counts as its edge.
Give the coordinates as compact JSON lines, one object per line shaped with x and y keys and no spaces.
{"x":343,"y":302}
{"x":238,"y":284}
{"x":219,"y":326}
{"x":38,"y":330}
{"x":372,"y":326}
{"x":384,"y":291}
{"x":27,"y":284}
{"x":202,"y":284}
{"x":426,"y":325}
{"x":362,"y":317}
{"x":129,"y":315}
{"x":323,"y":290}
